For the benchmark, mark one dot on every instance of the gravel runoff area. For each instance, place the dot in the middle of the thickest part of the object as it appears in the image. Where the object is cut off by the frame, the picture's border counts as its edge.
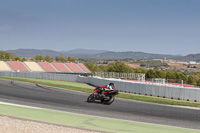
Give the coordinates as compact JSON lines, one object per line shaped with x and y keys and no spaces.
{"x":18,"y":125}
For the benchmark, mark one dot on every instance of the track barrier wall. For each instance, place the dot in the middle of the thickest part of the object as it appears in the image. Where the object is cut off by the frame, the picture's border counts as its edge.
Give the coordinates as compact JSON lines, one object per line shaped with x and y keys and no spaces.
{"x":151,"y":89}
{"x":42,"y":75}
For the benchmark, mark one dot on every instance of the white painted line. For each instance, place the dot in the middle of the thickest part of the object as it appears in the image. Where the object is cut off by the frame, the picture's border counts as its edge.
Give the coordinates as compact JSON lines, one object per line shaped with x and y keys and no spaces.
{"x":12,"y":104}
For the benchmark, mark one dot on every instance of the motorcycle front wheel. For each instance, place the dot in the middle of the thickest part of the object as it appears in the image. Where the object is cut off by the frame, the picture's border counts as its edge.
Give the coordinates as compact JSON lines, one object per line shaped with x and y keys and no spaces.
{"x":91,"y":98}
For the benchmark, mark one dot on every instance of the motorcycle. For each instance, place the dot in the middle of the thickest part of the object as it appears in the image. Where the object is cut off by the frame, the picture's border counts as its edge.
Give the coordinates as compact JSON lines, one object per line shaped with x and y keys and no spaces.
{"x":106,"y":96}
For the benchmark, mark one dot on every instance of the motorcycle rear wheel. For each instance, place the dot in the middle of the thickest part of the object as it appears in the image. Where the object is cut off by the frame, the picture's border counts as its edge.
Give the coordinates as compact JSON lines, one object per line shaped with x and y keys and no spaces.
{"x":111,"y":100}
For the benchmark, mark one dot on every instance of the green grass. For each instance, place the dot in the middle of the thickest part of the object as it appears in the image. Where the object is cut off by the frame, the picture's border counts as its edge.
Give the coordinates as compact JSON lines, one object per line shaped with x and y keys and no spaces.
{"x":60,"y":84}
{"x":88,"y":122}
{"x":89,"y":89}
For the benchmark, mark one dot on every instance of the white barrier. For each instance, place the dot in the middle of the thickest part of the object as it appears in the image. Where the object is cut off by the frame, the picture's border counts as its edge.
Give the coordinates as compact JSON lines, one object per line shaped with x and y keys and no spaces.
{"x":151,"y":89}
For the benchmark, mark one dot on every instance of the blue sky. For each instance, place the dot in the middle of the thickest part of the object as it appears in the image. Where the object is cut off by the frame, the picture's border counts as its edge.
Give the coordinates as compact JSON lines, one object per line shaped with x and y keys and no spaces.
{"x":153,"y":26}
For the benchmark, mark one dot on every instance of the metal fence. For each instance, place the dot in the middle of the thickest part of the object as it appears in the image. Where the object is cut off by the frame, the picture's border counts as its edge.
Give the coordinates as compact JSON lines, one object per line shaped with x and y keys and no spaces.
{"x":134,"y":76}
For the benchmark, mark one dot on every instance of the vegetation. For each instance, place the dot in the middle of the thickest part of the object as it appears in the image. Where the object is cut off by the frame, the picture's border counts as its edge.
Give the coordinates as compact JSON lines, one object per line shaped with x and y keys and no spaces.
{"x":5,"y":56}
{"x":59,"y":59}
{"x":95,"y":60}
{"x":93,"y":67}
{"x":120,"y":67}
{"x":153,"y":63}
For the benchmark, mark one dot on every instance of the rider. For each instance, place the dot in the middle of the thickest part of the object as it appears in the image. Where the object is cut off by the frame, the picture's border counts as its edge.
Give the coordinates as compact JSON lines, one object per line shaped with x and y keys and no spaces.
{"x":110,"y":87}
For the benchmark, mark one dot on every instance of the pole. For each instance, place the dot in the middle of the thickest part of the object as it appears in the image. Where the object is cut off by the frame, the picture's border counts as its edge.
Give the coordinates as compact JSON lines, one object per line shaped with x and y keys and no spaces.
{"x":182,"y":83}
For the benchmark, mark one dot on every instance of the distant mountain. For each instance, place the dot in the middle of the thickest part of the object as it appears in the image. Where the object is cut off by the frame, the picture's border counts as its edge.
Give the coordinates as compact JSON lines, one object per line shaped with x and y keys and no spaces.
{"x":73,"y":53}
{"x":133,"y":55}
{"x":179,"y":55}
{"x":102,"y":54}
{"x":190,"y":57}
{"x":84,"y":51}
{"x":34,"y":52}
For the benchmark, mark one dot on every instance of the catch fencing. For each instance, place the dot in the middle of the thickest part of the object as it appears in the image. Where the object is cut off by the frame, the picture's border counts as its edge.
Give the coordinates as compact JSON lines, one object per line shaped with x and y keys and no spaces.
{"x":143,"y":88}
{"x":118,"y":75}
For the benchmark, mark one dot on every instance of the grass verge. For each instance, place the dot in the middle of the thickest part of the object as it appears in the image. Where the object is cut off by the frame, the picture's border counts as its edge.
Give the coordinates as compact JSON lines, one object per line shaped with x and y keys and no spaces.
{"x":89,"y":89}
{"x":85,"y":121}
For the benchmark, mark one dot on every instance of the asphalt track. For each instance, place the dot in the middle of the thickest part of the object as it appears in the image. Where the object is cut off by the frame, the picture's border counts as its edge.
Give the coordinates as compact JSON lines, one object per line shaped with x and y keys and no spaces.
{"x":71,"y":101}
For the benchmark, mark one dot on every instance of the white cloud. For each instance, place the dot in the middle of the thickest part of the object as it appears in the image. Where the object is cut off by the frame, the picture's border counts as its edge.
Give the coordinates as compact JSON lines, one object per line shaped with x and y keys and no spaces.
{"x":5,"y":27}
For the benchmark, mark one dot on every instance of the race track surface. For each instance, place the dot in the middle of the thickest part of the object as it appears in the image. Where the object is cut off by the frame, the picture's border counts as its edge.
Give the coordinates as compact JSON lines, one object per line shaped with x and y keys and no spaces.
{"x":71,"y":101}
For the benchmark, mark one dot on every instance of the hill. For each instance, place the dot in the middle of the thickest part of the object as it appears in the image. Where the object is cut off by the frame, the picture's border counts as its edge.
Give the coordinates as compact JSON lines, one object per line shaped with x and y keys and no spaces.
{"x":34,"y":52}
{"x":73,"y":53}
{"x":84,"y":51}
{"x":190,"y":57}
{"x":133,"y":55}
{"x":102,"y":54}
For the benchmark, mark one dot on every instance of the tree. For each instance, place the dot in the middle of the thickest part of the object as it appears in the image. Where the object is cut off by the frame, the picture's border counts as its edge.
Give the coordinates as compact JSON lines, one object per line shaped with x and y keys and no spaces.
{"x":5,"y":55}
{"x":111,"y":68}
{"x":170,"y":75}
{"x":8,"y":55}
{"x":39,"y":58}
{"x":32,"y":59}
{"x":139,"y":70}
{"x":96,"y":68}
{"x":178,"y":75}
{"x":2,"y":54}
{"x":198,"y":83}
{"x":47,"y":58}
{"x":153,"y":63}
{"x":182,"y":77}
{"x":23,"y":59}
{"x":17,"y":58}
{"x":71,"y":59}
{"x":62,"y":59}
{"x":161,"y":74}
{"x":93,"y":67}
{"x":198,"y":73}
{"x":151,"y":74}
{"x":122,"y":67}
{"x":57,"y":58}
{"x":191,"y":80}
{"x":104,"y":68}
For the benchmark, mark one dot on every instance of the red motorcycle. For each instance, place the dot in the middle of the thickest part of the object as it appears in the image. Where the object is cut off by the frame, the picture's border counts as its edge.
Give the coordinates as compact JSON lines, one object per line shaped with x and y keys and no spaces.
{"x":105,"y":96}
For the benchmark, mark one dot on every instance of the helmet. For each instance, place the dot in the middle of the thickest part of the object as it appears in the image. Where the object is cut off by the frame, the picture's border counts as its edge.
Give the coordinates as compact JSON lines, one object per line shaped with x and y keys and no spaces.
{"x":109,"y":87}
{"x":111,"y":84}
